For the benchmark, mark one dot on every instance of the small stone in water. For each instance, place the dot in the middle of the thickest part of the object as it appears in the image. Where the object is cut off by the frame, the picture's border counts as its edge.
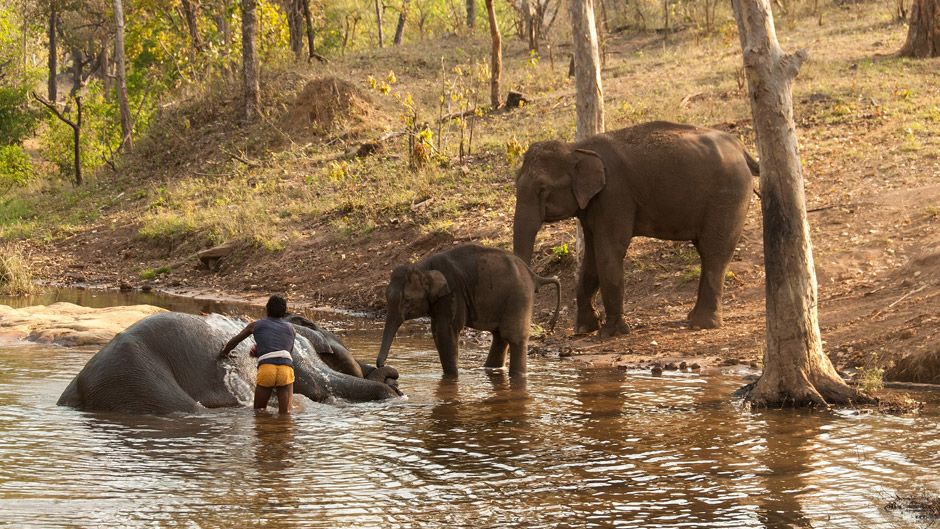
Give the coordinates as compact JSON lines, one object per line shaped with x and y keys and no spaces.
{"x":695,"y":367}
{"x":656,"y":371}
{"x":683,"y":366}
{"x":671,"y":366}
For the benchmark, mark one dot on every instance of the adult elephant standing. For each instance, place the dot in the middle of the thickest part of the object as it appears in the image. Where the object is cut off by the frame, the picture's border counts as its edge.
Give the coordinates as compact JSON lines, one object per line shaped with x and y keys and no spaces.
{"x":662,"y":180}
{"x":168,"y":362}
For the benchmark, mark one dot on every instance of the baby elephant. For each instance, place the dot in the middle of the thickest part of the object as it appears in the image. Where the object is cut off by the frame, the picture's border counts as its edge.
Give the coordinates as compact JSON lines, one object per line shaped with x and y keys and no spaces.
{"x":469,"y":286}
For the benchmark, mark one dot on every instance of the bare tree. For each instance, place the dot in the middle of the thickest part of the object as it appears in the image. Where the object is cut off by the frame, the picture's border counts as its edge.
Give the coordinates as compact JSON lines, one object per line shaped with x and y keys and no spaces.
{"x":471,"y":14}
{"x":295,"y":25}
{"x":589,"y":92}
{"x":53,"y":52}
{"x":496,"y":55}
{"x":76,"y":70}
{"x":796,"y":371}
{"x":121,"y":76}
{"x":923,"y":33}
{"x":251,"y":90}
{"x":378,"y":21}
{"x":308,"y":20}
{"x":76,"y":131}
{"x":189,"y":12}
{"x":402,"y":16}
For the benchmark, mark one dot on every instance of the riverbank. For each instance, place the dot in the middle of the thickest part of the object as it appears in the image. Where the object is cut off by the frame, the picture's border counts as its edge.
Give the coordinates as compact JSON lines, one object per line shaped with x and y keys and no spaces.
{"x":299,"y":218}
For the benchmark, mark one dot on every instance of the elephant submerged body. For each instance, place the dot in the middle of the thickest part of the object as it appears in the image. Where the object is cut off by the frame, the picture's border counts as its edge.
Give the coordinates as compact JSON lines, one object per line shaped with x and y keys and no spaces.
{"x":168,"y":363}
{"x":662,"y":180}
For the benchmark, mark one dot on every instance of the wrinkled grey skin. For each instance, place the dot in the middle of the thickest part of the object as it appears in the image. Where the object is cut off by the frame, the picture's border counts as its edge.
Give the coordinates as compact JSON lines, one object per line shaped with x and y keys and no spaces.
{"x":661,"y":180}
{"x":335,"y":355}
{"x":468,"y":286}
{"x":168,"y":362}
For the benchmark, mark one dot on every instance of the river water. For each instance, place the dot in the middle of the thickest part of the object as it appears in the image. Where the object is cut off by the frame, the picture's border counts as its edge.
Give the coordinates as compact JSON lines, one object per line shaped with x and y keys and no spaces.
{"x":571,"y":447}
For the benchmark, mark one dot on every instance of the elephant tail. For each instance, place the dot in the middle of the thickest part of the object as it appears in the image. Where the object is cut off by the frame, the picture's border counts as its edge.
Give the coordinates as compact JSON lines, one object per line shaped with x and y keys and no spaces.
{"x":751,"y":163}
{"x":552,"y":281}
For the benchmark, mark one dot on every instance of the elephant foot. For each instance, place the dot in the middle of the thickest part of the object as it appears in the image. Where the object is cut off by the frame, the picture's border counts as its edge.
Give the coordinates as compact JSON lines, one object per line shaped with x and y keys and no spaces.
{"x":587,"y":324}
{"x":615,"y":328}
{"x":704,"y":320}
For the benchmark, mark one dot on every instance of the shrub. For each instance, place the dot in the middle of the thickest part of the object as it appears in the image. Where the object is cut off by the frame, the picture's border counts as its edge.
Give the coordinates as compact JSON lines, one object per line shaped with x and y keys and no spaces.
{"x":15,"y":167}
{"x":15,"y":276}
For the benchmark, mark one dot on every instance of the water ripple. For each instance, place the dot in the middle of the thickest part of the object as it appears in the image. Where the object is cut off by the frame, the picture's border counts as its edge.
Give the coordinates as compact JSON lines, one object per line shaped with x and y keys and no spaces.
{"x":569,"y":447}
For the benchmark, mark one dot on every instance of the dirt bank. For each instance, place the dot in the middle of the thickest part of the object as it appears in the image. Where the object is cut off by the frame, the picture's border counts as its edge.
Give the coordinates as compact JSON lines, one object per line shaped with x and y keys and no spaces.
{"x":327,"y":231}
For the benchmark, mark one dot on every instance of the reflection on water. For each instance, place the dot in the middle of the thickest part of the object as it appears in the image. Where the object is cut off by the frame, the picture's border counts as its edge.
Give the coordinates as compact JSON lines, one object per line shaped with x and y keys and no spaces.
{"x":568,"y":447}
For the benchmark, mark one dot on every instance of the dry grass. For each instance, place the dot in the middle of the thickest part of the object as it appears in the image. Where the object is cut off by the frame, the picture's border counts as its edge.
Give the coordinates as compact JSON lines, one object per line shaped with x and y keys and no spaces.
{"x":850,"y":100}
{"x":16,"y":278}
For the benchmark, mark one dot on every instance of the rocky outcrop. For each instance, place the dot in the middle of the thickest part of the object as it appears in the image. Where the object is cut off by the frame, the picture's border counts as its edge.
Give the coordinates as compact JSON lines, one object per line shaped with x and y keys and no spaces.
{"x":69,"y":324}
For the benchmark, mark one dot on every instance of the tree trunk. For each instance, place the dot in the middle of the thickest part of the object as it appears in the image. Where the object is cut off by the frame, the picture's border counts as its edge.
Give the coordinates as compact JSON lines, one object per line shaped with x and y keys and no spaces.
{"x":589,"y":92}
{"x":53,"y":53}
{"x":378,"y":22}
{"x":222,"y":24}
{"x":251,"y":89}
{"x":402,"y":16}
{"x":923,"y":33}
{"x":530,"y":25}
{"x":76,"y":71}
{"x":190,"y":13}
{"x":295,"y":25}
{"x":496,"y":56}
{"x":796,"y":371}
{"x":471,"y":14}
{"x":104,"y":68}
{"x":308,"y":21}
{"x":121,"y":77}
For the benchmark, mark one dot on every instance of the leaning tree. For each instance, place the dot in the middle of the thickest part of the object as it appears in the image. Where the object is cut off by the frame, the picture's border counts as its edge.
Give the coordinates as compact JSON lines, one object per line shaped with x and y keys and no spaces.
{"x":796,"y":371}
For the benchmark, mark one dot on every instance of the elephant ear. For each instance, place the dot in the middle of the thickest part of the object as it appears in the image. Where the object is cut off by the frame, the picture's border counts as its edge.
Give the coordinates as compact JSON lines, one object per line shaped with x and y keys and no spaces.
{"x":437,"y":285}
{"x":589,"y":176}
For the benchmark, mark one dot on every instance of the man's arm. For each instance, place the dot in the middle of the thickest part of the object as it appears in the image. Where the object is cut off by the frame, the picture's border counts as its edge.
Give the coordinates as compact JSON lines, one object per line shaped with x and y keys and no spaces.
{"x":237,"y":339}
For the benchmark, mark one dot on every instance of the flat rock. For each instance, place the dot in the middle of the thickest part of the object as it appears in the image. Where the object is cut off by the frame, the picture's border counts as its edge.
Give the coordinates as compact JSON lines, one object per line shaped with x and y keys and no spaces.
{"x":69,"y":324}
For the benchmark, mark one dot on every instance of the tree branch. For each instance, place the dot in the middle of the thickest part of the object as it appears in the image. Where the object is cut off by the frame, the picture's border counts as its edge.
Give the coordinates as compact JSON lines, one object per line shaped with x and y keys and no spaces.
{"x":55,"y":110}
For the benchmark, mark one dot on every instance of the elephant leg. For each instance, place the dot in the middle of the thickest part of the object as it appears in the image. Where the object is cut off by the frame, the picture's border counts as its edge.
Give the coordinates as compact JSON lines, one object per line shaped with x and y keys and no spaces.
{"x":497,"y":357}
{"x":586,"y":319}
{"x":716,"y":256}
{"x":609,"y":257}
{"x":445,"y":339}
{"x":518,"y":355}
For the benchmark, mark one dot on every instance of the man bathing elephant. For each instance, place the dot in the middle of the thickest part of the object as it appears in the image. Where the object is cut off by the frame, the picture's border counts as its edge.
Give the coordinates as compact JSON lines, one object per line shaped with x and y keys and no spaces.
{"x":661,"y":180}
{"x":168,"y":362}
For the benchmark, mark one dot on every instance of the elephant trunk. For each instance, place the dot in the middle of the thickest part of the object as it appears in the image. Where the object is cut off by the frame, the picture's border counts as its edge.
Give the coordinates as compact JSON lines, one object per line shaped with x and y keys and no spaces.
{"x":526,"y":226}
{"x":392,"y":323}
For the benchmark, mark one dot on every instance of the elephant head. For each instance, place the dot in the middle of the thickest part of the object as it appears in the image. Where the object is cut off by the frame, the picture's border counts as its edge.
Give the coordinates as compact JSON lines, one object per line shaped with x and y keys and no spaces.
{"x":411,"y":293}
{"x":555,"y":182}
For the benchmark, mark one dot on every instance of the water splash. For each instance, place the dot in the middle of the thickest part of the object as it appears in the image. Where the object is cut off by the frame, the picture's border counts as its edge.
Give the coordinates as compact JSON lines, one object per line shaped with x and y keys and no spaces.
{"x":241,"y":371}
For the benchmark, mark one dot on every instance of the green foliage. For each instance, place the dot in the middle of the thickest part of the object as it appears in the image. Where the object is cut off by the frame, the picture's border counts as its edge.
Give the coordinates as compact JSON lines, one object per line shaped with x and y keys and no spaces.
{"x":871,"y":379}
{"x":153,"y":273}
{"x":17,"y":121}
{"x":561,"y":250}
{"x":15,"y":166}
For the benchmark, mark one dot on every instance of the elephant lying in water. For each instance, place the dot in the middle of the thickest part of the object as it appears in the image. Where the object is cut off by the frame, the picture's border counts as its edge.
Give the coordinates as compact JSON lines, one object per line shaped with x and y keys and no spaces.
{"x":168,"y":363}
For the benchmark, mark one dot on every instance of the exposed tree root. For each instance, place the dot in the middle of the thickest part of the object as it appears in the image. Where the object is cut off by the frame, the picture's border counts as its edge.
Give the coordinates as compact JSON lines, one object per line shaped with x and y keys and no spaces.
{"x":819,"y":391}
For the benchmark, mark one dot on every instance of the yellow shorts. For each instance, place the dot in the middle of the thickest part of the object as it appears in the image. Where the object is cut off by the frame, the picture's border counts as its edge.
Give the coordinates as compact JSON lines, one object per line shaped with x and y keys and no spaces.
{"x":272,"y":376}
